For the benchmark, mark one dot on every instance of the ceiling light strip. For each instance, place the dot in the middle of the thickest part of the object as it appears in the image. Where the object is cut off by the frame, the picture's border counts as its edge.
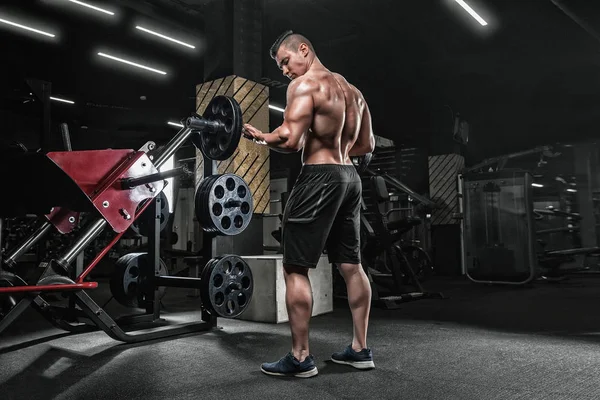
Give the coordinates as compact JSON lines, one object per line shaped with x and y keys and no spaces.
{"x":141,"y":28}
{"x":62,"y":100}
{"x":4,"y":21}
{"x":471,"y":12}
{"x":81,"y":3}
{"x":132,"y":63}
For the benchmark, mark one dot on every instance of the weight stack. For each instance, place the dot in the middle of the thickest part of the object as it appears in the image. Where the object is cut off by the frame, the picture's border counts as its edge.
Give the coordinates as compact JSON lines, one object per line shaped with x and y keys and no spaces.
{"x":250,"y":161}
{"x":499,"y":236}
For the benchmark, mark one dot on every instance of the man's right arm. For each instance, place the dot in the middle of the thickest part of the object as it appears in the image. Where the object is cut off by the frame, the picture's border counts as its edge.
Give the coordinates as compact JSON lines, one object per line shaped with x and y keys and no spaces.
{"x":365,"y":142}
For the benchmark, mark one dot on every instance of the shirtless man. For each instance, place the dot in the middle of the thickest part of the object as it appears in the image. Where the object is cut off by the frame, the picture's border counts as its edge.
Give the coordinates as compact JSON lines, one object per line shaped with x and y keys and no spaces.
{"x":328,"y":119}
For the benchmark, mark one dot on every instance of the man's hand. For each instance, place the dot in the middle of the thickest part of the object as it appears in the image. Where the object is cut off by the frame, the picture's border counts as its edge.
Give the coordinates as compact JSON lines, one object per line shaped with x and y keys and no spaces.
{"x":253,"y":134}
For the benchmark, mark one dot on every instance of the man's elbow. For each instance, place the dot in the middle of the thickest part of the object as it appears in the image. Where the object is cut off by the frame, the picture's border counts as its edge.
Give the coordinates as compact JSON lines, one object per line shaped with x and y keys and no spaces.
{"x":289,"y":144}
{"x":292,"y":147}
{"x":365,"y":148}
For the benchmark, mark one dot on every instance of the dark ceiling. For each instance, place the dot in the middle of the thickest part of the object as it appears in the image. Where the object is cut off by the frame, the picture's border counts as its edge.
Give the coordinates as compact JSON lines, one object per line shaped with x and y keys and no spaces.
{"x":531,"y":76}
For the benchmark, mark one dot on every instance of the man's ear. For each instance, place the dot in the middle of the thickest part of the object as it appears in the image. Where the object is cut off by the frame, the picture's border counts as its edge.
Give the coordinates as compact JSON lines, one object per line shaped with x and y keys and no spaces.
{"x":303,"y":49}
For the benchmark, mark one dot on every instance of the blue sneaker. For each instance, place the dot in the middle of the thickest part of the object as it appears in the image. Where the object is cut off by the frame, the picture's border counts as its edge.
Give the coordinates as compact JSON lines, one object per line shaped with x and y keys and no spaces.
{"x":361,"y":360}
{"x":290,"y":366}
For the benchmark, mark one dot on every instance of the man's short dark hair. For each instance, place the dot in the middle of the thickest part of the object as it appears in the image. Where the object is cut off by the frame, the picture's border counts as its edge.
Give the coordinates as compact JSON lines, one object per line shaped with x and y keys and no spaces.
{"x":290,"y":40}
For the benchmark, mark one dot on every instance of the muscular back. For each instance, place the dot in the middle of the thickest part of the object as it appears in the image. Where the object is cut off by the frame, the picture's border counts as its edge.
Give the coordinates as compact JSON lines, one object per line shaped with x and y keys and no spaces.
{"x":338,"y":110}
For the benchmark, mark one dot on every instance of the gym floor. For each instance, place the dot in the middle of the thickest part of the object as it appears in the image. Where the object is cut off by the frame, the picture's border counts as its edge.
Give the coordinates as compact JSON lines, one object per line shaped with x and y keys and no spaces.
{"x":482,"y":342}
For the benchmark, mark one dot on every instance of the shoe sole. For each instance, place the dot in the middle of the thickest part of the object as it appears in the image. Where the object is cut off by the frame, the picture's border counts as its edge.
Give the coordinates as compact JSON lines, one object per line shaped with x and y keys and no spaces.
{"x":356,"y":364}
{"x":305,"y":374}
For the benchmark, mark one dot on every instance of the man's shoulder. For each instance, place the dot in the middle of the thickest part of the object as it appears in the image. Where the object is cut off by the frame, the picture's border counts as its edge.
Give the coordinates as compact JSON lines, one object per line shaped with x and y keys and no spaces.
{"x":303,"y":84}
{"x":343,"y":79}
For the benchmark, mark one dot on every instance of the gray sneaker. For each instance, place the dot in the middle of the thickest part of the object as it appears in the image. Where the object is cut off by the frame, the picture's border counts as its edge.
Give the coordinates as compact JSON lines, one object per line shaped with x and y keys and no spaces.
{"x":290,"y":366}
{"x":362,"y":359}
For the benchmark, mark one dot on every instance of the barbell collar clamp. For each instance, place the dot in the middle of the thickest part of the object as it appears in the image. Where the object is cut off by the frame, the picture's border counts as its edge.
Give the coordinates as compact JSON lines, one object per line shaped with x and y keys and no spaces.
{"x":204,"y":125}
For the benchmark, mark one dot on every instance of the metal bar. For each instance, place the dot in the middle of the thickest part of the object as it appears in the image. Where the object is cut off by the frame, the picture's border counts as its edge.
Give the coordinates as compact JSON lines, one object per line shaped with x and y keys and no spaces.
{"x":91,"y":233}
{"x":133,"y":182}
{"x":110,"y":327}
{"x":152,"y":298}
{"x":50,"y":288}
{"x":493,"y":160}
{"x":11,"y":258}
{"x":570,"y":252}
{"x":179,"y":282}
{"x":556,"y":230}
{"x":401,"y":186}
{"x":74,"y":274}
{"x":173,"y":145}
{"x":64,"y":130}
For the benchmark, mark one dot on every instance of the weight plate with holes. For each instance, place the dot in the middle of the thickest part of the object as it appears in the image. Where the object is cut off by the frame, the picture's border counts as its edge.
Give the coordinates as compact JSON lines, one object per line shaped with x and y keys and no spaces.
{"x":142,"y":225}
{"x":224,"y":204}
{"x":362,"y":162}
{"x":419,"y":261}
{"x":227,"y":286}
{"x":128,"y":281}
{"x":220,"y":145}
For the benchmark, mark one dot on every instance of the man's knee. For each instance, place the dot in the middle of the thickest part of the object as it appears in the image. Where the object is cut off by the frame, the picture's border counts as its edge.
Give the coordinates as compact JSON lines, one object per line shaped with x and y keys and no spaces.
{"x":347,"y":269}
{"x":294,"y":269}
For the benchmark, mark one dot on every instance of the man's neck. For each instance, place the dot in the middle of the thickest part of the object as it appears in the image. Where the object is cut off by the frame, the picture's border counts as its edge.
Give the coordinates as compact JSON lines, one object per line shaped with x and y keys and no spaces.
{"x":315,"y":64}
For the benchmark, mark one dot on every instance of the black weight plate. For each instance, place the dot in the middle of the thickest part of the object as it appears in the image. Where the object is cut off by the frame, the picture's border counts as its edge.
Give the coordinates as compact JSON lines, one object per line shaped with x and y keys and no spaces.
{"x":205,"y":277}
{"x":127,"y":280}
{"x":201,"y":199}
{"x":227,"y":286}
{"x":142,"y":225}
{"x":222,"y":144}
{"x":224,"y":204}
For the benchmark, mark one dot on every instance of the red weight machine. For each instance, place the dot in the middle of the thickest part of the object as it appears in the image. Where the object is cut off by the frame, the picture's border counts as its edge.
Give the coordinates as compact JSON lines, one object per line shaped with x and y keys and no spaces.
{"x":115,"y":185}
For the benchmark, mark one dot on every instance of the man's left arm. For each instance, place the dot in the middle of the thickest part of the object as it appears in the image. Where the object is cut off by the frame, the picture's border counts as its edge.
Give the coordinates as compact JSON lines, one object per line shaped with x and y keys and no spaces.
{"x":297,"y":119}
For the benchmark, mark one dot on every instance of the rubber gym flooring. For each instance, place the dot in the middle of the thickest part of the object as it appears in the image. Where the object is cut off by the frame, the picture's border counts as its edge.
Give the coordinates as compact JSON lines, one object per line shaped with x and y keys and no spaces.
{"x":483,"y":342}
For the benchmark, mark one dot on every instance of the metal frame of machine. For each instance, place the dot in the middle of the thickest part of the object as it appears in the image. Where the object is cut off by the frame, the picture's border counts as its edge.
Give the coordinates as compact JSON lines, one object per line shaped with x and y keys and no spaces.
{"x":120,"y":181}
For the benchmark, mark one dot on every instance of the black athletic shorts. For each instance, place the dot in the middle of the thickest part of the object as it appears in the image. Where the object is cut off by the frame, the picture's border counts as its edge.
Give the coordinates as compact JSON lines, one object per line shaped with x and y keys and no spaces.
{"x":323,"y":211}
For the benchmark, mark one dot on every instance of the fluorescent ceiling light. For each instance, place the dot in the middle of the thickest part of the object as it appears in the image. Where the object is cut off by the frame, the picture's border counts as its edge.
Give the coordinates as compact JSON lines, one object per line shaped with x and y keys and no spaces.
{"x":132,"y":63}
{"x":81,"y":3}
{"x":175,"y":124}
{"x":165,"y":37}
{"x":572,"y":190}
{"x":276,"y":108}
{"x":472,"y":12}
{"x":62,"y":100}
{"x":27,"y":28}
{"x":537,"y":185}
